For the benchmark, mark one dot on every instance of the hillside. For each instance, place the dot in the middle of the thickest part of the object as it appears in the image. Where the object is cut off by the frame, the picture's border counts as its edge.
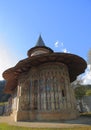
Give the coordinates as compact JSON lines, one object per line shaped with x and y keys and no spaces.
{"x":3,"y":97}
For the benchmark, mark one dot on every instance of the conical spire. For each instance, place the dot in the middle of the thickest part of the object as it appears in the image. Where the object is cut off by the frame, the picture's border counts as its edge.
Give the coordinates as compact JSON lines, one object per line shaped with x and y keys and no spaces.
{"x":39,"y":48}
{"x":40,"y":42}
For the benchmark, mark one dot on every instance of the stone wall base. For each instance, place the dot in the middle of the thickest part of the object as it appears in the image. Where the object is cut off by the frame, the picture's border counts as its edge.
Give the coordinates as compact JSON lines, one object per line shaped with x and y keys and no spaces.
{"x":45,"y":116}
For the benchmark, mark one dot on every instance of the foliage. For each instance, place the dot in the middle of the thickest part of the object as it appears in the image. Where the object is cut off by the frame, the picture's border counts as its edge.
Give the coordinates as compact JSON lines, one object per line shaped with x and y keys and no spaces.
{"x":3,"y":103}
{"x":4,"y":126}
{"x":3,"y":97}
{"x":88,"y":92}
{"x":80,"y":92}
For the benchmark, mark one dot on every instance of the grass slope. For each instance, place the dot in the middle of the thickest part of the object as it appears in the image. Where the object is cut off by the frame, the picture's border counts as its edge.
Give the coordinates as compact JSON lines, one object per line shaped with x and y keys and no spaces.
{"x":4,"y":126}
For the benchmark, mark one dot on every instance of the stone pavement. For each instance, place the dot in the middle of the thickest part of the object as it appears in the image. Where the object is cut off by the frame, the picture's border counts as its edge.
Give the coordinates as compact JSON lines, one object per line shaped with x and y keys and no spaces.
{"x":81,"y":121}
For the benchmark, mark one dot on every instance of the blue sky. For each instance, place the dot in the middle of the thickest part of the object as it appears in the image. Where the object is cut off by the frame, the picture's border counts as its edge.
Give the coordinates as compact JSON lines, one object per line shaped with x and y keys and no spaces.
{"x":66,"y":23}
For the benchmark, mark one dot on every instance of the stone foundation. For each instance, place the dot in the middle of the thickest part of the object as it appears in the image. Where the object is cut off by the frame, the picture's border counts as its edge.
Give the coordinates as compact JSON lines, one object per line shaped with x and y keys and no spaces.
{"x":46,"y":116}
{"x":22,"y":116}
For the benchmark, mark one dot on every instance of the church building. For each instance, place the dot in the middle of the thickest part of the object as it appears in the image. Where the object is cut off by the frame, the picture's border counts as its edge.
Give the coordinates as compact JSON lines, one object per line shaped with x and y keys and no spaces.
{"x":40,"y":84}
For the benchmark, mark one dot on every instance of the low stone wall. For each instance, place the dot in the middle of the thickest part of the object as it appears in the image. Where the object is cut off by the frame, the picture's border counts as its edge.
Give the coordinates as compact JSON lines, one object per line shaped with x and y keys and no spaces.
{"x":87,"y":103}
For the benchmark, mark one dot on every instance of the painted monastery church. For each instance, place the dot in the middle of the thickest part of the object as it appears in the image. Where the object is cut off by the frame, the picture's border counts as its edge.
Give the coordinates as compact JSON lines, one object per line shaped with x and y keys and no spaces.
{"x":40,"y":84}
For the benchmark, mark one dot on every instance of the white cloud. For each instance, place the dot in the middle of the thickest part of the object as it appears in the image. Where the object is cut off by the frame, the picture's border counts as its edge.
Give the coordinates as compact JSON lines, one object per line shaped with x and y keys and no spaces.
{"x":56,"y":43}
{"x":65,"y":50}
{"x":87,"y":76}
{"x":61,"y":46}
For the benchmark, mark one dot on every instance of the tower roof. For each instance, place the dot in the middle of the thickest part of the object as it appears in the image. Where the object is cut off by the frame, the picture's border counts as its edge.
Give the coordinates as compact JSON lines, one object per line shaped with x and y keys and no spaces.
{"x":40,"y":41}
{"x":39,"y":48}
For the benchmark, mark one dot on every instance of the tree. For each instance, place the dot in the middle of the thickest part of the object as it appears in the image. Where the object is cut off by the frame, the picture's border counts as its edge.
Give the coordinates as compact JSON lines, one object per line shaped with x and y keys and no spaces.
{"x":88,"y":92}
{"x":3,"y":97}
{"x":77,"y":82}
{"x":80,"y":92}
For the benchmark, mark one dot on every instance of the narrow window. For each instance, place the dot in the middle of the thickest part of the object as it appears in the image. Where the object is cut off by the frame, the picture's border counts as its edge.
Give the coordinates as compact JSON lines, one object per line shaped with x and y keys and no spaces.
{"x":63,"y":94}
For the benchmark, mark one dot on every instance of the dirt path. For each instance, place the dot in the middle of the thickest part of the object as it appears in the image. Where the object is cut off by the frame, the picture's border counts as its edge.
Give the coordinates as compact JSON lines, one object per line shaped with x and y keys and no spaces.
{"x":82,"y":121}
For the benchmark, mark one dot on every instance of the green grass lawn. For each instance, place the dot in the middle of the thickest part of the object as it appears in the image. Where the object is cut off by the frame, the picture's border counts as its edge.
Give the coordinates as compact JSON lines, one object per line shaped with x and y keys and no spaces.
{"x":4,"y":126}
